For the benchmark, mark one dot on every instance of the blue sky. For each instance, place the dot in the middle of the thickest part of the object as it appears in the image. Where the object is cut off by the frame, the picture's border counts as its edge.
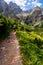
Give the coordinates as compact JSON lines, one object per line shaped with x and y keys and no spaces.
{"x":27,"y":4}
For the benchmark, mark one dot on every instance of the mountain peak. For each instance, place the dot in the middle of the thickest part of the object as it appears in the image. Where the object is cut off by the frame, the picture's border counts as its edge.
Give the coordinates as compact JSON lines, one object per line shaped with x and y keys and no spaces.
{"x":12,"y":5}
{"x":11,"y":8}
{"x":37,"y":8}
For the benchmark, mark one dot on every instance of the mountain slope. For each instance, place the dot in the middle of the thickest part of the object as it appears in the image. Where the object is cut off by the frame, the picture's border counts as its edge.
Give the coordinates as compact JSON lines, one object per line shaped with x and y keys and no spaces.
{"x":16,"y":9}
{"x":9,"y":10}
{"x":35,"y":16}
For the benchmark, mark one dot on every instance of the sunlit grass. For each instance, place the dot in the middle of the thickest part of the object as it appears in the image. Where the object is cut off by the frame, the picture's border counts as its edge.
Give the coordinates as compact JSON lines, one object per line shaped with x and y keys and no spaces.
{"x":32,"y":53}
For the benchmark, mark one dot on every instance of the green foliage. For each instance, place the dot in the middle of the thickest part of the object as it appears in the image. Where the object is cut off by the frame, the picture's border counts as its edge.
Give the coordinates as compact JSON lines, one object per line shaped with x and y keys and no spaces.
{"x":31,"y":42}
{"x":8,"y":24}
{"x":31,"y":50}
{"x":5,"y":26}
{"x":41,"y":24}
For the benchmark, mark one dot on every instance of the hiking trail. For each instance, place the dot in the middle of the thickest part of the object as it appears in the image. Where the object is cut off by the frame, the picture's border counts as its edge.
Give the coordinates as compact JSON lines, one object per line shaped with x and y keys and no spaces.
{"x":10,"y":51}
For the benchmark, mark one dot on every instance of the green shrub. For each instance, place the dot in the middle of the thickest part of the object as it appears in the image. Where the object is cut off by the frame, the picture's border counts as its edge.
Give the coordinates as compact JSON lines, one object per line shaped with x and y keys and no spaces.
{"x":4,"y":27}
{"x":30,"y":44}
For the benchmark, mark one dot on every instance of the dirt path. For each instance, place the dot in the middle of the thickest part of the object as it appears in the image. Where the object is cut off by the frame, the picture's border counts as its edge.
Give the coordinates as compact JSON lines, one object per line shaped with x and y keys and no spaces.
{"x":9,"y":51}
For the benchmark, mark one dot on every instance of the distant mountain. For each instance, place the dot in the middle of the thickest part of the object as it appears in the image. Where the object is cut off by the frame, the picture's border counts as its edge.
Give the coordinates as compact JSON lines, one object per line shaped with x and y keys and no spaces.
{"x":36,"y":11}
{"x":12,"y":10}
{"x":24,"y":13}
{"x":36,"y":15}
{"x":9,"y":10}
{"x":15,"y":8}
{"x":2,"y":5}
{"x":4,"y":8}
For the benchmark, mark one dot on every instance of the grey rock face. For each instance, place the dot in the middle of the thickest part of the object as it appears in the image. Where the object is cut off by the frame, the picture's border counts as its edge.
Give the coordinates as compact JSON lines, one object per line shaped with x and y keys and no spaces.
{"x":9,"y":10}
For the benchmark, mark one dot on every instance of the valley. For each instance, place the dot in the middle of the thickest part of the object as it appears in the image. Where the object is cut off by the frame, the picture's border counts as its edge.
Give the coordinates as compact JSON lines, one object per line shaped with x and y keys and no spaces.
{"x":21,"y":35}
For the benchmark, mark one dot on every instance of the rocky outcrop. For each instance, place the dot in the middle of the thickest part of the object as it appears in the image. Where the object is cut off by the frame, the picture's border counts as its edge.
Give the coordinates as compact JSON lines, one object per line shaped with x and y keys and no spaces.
{"x":9,"y":10}
{"x":35,"y":16}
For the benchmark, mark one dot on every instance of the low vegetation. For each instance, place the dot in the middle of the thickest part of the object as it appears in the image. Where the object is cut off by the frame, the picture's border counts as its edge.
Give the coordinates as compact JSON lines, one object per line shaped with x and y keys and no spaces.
{"x":30,"y":39}
{"x":6,"y":25}
{"x":31,"y":47}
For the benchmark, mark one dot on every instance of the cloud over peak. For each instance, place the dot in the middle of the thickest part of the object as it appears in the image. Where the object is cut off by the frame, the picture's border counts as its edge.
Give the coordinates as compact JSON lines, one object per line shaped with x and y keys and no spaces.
{"x":26,"y":4}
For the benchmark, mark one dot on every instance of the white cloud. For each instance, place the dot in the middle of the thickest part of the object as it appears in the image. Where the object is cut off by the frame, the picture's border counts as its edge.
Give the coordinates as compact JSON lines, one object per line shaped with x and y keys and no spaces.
{"x":8,"y":1}
{"x":28,"y":3}
{"x":39,"y":4}
{"x":36,"y":3}
{"x":24,"y":3}
{"x":20,"y":2}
